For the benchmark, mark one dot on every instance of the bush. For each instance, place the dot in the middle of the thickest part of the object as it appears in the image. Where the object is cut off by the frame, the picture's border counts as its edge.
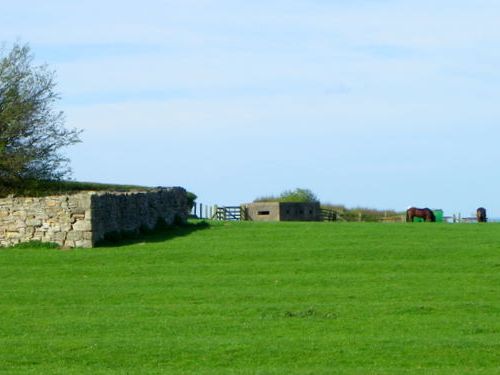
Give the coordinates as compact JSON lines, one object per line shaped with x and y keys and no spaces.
{"x":360,"y":213}
{"x":297,"y":195}
{"x":191,"y":197}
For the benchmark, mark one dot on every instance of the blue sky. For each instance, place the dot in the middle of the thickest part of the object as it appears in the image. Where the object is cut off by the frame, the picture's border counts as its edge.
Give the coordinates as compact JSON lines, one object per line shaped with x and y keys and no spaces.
{"x":381,"y":103}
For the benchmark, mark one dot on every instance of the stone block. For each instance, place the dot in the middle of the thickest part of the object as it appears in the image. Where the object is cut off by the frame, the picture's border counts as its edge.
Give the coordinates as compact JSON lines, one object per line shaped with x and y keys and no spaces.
{"x":82,"y":225}
{"x":69,"y":243}
{"x":40,"y":231}
{"x":19,"y":213}
{"x":14,"y":227}
{"x":66,"y":227}
{"x":83,"y":243}
{"x":11,"y":235}
{"x":34,"y":222}
{"x":53,"y":203}
{"x":78,"y":216}
{"x":74,"y":236}
{"x":55,"y":228}
{"x":59,"y":237}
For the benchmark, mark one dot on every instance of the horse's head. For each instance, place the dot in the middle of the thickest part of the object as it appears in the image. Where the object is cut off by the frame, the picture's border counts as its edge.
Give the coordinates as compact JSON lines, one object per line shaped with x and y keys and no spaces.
{"x":432,"y":216}
{"x":429,"y":215}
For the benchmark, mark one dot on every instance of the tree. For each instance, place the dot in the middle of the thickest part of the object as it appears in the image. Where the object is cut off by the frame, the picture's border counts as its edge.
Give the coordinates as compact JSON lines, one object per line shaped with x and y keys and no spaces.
{"x":32,"y":132}
{"x":297,"y":195}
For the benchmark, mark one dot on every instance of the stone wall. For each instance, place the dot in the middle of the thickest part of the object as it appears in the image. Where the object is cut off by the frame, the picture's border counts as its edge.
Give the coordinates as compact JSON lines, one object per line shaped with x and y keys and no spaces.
{"x":83,"y":219}
{"x":118,"y":212}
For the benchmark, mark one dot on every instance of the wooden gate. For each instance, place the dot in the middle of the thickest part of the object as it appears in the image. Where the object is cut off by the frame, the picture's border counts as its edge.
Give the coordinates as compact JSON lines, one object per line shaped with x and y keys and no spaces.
{"x":228,"y":213}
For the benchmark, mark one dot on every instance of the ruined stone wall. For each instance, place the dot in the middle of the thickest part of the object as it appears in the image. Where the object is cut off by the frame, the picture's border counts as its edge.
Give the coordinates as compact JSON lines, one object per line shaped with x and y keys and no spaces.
{"x":125,"y":213}
{"x":83,"y":219}
{"x":61,"y":219}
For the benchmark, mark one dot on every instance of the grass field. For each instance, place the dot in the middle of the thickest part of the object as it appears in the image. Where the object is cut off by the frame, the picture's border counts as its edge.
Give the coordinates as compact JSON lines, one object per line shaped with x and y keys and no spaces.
{"x":259,"y":298}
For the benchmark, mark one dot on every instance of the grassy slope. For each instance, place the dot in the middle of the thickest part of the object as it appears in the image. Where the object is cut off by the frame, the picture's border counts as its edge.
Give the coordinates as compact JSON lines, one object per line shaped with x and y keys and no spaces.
{"x":257,"y":298}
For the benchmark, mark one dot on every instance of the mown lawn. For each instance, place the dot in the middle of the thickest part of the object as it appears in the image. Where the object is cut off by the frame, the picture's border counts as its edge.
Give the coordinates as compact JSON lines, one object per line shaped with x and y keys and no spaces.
{"x":259,"y":298}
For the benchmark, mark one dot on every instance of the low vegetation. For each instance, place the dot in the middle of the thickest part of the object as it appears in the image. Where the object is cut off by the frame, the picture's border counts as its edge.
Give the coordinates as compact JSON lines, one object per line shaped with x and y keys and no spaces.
{"x":40,"y":188}
{"x":258,"y":298}
{"x":364,"y":214}
{"x":297,"y":195}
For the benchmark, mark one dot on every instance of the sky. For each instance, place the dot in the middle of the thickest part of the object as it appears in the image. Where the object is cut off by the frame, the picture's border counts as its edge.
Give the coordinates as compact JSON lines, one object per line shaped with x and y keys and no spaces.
{"x":371,"y":103}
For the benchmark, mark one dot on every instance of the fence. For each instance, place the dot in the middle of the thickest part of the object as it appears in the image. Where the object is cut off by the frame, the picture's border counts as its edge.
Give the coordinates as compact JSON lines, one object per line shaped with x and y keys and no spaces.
{"x":225,"y":213}
{"x":201,"y":211}
{"x":228,"y":213}
{"x":329,"y":214}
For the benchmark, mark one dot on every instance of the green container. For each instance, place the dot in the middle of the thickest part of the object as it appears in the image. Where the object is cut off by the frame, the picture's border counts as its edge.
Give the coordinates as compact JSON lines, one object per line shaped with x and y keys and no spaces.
{"x":439,"y":215}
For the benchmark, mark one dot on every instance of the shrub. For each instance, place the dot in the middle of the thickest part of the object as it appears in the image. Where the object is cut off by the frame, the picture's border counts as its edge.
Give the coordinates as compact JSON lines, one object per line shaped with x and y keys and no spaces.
{"x":191,"y":197}
{"x":297,"y":195}
{"x":361,"y":213}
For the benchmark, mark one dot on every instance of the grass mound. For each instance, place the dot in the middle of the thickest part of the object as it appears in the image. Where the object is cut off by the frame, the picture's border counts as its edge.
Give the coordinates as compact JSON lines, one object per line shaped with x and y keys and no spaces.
{"x":43,"y":188}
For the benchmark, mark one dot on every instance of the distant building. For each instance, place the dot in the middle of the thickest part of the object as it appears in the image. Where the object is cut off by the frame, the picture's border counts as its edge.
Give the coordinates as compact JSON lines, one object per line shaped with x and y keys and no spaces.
{"x":282,"y":211}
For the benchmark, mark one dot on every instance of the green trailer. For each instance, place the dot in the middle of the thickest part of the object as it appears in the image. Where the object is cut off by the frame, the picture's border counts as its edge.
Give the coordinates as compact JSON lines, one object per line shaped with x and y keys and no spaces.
{"x":439,"y":215}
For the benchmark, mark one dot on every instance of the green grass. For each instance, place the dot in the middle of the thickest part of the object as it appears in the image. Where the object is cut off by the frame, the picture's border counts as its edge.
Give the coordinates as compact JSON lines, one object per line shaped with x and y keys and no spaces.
{"x":259,"y":298}
{"x":38,"y":188}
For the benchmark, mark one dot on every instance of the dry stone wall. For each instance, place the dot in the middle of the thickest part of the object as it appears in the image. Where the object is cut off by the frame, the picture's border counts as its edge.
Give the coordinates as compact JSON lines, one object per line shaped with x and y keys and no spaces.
{"x":84,"y":219}
{"x":119,"y":213}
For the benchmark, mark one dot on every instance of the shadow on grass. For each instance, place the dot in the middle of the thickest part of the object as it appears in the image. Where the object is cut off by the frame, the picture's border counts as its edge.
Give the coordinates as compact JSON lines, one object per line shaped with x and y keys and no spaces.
{"x":160,"y":234}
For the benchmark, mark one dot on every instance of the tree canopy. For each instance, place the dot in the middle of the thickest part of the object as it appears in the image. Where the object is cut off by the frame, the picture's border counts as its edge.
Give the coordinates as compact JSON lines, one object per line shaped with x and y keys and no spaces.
{"x":32,"y":132}
{"x":297,"y":195}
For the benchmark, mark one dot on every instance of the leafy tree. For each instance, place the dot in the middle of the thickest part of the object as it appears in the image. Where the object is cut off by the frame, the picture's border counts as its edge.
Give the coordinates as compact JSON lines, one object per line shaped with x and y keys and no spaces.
{"x":297,"y":195}
{"x":32,"y":132}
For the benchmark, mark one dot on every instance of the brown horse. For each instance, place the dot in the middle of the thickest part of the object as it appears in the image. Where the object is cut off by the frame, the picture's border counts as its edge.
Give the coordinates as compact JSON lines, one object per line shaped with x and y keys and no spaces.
{"x":481,"y":215}
{"x":424,"y":213}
